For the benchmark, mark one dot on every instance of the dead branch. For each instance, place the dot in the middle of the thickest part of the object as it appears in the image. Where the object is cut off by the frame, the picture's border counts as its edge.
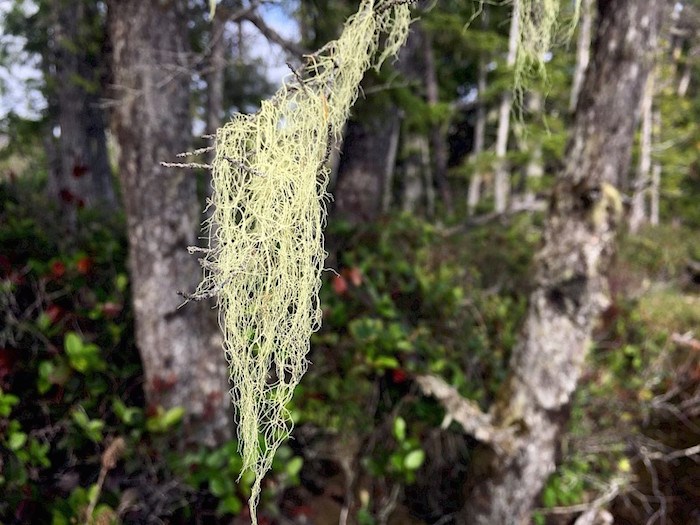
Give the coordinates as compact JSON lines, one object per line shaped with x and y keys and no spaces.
{"x":273,"y":36}
{"x":467,"y":414}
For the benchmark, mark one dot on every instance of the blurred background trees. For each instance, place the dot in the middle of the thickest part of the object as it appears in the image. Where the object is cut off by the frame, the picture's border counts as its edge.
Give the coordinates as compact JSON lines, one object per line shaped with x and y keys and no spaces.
{"x":113,"y":401}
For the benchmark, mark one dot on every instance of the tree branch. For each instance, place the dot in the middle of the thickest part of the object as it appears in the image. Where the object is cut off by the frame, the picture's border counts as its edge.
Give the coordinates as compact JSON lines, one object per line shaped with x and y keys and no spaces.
{"x":468,"y":415}
{"x":273,"y":36}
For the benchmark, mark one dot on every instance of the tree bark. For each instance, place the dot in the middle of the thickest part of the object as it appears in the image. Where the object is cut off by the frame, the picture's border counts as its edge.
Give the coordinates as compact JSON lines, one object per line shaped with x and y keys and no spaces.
{"x":583,"y":51}
{"x":366,"y":164}
{"x":152,"y":123}
{"x":579,"y":239}
{"x":85,"y":177}
{"x":501,"y":187}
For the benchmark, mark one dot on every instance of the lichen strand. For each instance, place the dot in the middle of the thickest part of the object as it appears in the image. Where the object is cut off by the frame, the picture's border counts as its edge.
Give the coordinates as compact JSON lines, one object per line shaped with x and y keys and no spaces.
{"x":539,"y":23}
{"x":266,"y":250}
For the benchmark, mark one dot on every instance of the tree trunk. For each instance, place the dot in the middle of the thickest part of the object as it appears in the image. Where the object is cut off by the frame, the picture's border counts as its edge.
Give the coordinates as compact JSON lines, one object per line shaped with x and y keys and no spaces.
{"x":152,"y":123}
{"x":638,"y":212}
{"x":85,"y":177}
{"x":476,"y":180}
{"x":367,"y":161}
{"x":583,"y":51}
{"x":438,"y":131}
{"x":579,"y":239}
{"x":502,"y":176}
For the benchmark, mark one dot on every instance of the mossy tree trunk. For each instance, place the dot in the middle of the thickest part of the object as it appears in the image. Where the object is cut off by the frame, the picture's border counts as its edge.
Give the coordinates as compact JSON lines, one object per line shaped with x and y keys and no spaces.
{"x":151,"y":119}
{"x":570,"y":293}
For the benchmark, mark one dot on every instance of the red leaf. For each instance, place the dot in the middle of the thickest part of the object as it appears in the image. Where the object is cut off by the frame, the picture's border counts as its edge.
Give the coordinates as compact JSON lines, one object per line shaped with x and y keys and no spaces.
{"x":84,"y":265}
{"x":399,"y":375}
{"x":111,"y":310}
{"x":55,"y":313}
{"x":354,"y":275}
{"x":58,"y":269}
{"x":340,"y":285}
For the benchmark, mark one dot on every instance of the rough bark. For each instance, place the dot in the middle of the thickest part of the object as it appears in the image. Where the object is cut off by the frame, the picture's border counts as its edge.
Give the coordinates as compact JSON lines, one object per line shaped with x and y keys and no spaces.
{"x":579,"y":239}
{"x":367,"y":162}
{"x":85,"y":177}
{"x":583,"y":51}
{"x":152,"y":123}
{"x":501,"y":187}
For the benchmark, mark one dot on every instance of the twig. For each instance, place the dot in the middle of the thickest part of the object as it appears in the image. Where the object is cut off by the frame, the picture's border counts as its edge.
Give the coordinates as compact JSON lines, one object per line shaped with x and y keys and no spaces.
{"x":188,"y":165}
{"x":196,"y":152}
{"x":242,"y":166}
{"x":109,"y":460}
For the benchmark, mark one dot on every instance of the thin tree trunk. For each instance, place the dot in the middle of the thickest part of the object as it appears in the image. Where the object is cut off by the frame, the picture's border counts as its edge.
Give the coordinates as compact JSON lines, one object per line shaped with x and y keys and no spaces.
{"x":583,"y":51}
{"x":85,"y":177}
{"x":438,"y":131}
{"x":579,"y":239}
{"x":654,"y":200}
{"x":533,"y":169}
{"x":684,"y":82}
{"x":417,"y":193}
{"x":476,"y":180}
{"x":390,"y":168}
{"x":152,"y":123}
{"x":217,"y":69}
{"x":654,"y":191}
{"x":638,"y":212}
{"x":502,"y":176}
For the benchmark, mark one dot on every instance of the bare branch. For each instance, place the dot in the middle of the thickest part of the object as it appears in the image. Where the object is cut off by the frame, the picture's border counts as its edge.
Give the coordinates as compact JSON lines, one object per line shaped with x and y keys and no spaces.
{"x":467,"y":414}
{"x":273,"y":36}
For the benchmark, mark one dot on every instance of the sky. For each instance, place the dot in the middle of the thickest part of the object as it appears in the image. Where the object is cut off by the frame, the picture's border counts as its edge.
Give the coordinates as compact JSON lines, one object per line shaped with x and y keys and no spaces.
{"x":20,"y":80}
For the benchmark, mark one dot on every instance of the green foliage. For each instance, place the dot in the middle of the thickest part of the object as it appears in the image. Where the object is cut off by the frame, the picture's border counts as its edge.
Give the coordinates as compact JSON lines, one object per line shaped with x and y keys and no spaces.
{"x":70,"y":384}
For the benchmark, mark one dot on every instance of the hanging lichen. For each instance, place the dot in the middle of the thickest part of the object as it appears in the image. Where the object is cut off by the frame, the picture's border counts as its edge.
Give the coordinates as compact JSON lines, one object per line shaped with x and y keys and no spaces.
{"x":266,"y":252}
{"x":539,"y":22}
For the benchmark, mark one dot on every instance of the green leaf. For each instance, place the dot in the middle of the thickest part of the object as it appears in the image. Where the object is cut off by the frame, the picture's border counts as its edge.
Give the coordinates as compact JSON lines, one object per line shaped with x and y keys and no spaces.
{"x":385,"y":361}
{"x":400,"y":428}
{"x":43,"y":382}
{"x":229,"y":505}
{"x":16,"y":441}
{"x":549,"y":497}
{"x":173,"y":416}
{"x":83,"y":357}
{"x":7,"y":402}
{"x":221,"y":486}
{"x":293,"y":466}
{"x":72,"y":343}
{"x":414,"y":459}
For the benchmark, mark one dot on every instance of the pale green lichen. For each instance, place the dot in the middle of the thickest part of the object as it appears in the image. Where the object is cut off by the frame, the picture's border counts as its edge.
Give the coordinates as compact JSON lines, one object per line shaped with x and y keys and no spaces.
{"x":266,"y":250}
{"x":539,"y":24}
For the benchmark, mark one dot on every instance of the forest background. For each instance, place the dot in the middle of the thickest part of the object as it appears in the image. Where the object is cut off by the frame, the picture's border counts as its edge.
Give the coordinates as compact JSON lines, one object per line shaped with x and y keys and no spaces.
{"x":113,"y":401}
